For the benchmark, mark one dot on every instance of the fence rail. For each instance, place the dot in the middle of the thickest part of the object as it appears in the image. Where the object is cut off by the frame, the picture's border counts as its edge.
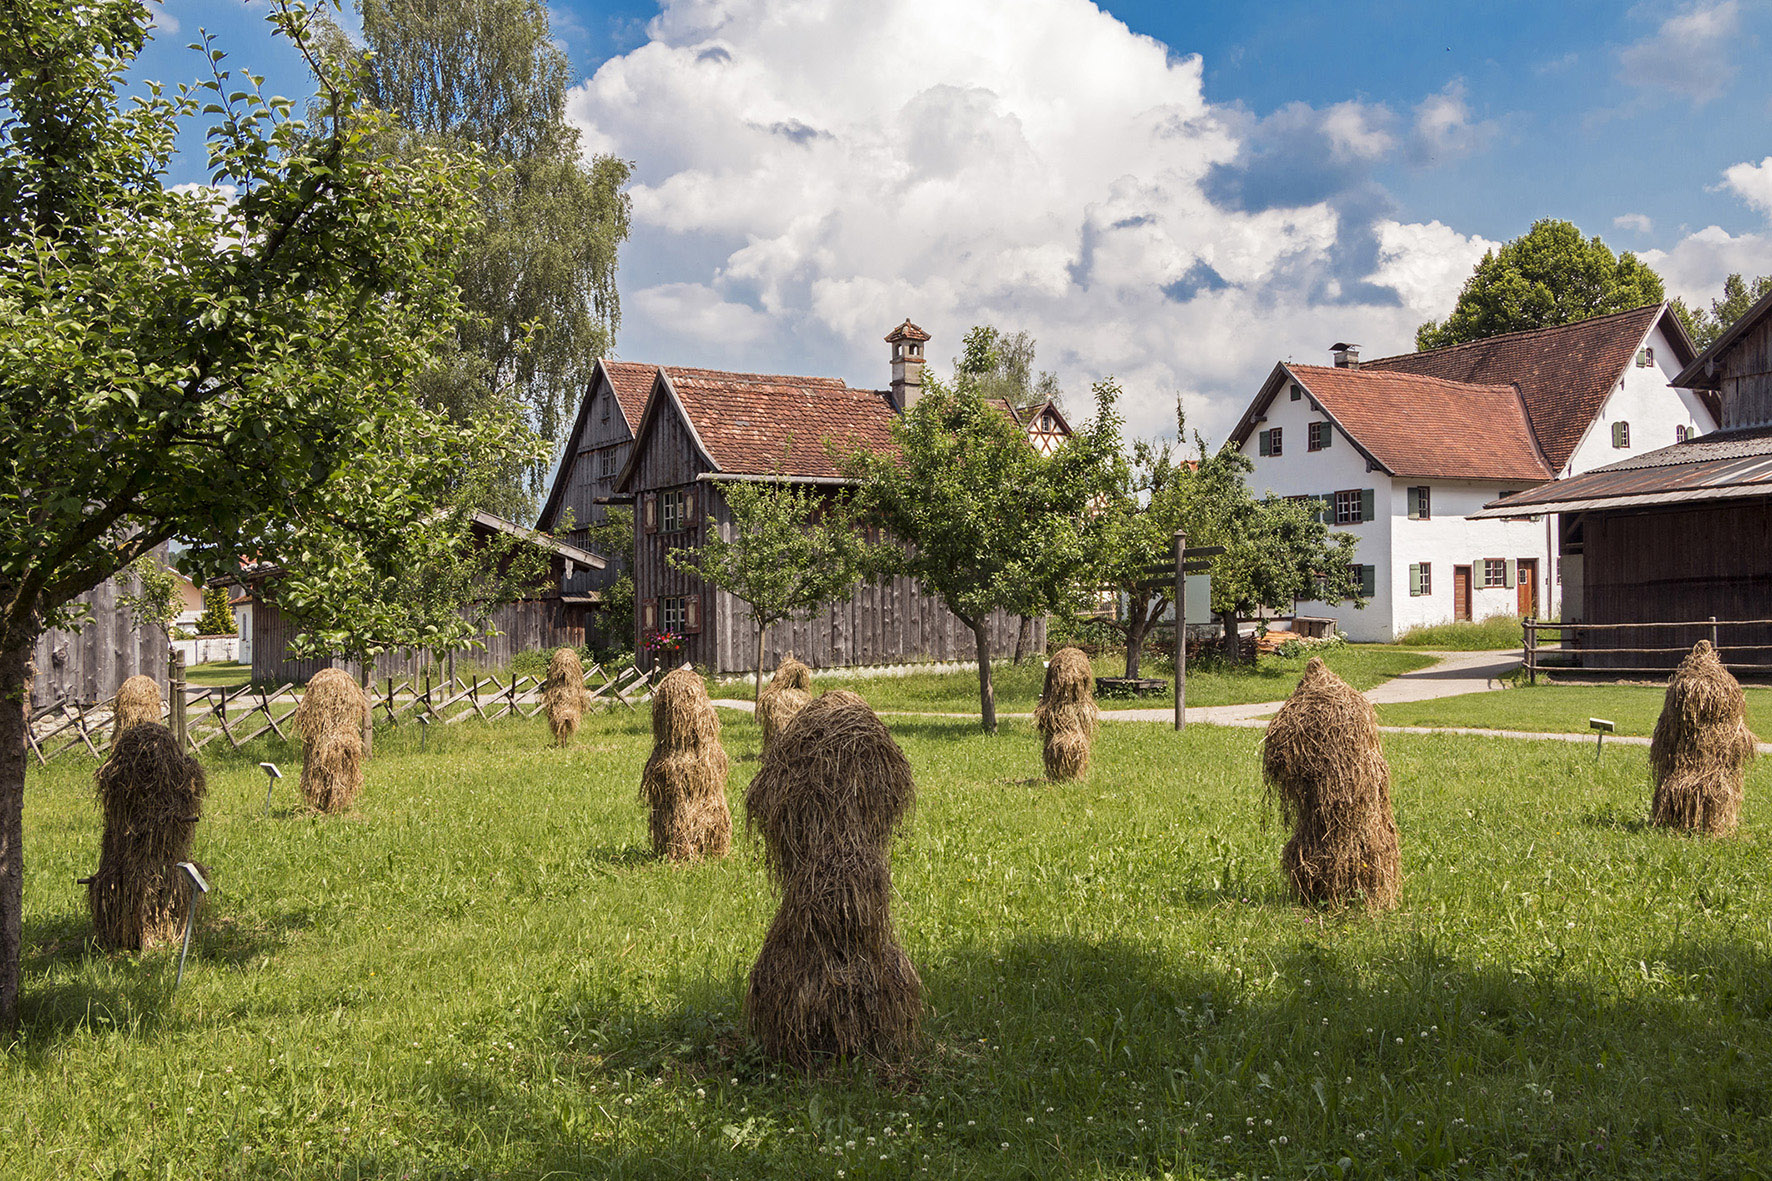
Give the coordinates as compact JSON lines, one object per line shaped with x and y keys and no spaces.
{"x":1576,"y":639}
{"x":243,"y":713}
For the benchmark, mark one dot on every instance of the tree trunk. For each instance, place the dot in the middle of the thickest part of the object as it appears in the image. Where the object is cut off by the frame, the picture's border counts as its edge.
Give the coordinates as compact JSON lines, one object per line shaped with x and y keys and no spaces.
{"x":758,"y":696}
{"x":15,"y":704}
{"x":1024,"y":639}
{"x":1137,"y":623}
{"x":987,"y":697}
{"x":1233,"y":646}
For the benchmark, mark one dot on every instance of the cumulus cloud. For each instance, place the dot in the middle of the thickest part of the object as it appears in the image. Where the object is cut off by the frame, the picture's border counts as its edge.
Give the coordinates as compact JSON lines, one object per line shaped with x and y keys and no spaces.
{"x":1638,"y":222}
{"x":1444,"y":130}
{"x":1695,"y":267}
{"x":1752,"y":183}
{"x":1687,"y":54}
{"x":808,"y":175}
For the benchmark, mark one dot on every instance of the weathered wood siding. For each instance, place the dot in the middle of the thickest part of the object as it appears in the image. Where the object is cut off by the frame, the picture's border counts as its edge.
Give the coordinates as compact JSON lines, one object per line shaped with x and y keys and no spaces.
{"x":528,"y":625}
{"x":1746,"y":386}
{"x":89,"y":663}
{"x":589,"y":472}
{"x":1676,"y":564}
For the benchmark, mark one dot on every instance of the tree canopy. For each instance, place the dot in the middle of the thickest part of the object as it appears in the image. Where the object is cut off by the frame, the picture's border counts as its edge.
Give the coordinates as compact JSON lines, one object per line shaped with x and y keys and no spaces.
{"x":538,"y":273}
{"x":1550,"y":275}
{"x":1706,"y":324}
{"x":201,"y":364}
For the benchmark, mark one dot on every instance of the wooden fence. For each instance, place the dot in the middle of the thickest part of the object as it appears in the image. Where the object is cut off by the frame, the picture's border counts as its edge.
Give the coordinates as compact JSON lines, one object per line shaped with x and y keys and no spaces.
{"x":241,"y":714}
{"x":1739,"y":644}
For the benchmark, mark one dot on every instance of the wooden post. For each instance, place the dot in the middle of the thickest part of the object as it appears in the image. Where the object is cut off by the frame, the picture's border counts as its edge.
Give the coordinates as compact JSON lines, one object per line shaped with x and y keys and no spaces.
{"x":391,"y":719}
{"x":1180,"y":630}
{"x":176,"y":691}
{"x":1713,"y":637}
{"x":1531,"y":646}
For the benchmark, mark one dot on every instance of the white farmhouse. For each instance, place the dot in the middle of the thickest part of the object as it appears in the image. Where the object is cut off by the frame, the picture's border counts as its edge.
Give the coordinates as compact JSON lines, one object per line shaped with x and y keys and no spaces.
{"x":1401,"y":450}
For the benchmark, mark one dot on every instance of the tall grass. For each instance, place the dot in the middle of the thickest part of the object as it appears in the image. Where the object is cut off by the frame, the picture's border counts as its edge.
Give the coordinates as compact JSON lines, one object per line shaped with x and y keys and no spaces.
{"x":1497,"y":631}
{"x":482,"y":973}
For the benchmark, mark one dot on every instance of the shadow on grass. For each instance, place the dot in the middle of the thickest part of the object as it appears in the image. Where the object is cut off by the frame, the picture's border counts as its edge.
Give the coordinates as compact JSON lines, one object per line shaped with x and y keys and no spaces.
{"x":1055,"y":1056}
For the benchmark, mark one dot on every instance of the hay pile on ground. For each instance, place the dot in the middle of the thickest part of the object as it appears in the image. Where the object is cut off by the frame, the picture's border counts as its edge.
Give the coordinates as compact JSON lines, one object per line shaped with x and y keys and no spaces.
{"x":1699,"y":755}
{"x":1066,"y":715}
{"x":152,"y":796}
{"x":1322,"y":759}
{"x":786,"y":694}
{"x":684,"y":784}
{"x":138,"y":700}
{"x":563,"y":694}
{"x":330,"y":722}
{"x":831,"y":980}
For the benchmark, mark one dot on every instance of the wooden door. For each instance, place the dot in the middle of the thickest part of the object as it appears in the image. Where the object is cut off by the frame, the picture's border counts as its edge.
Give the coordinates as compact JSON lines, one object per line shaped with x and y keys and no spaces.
{"x":1528,"y":584}
{"x":1461,"y":592}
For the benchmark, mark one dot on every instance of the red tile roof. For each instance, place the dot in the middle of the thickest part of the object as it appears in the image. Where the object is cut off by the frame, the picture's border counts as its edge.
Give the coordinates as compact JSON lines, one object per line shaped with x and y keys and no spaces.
{"x":632,"y":381}
{"x":760,"y":424}
{"x":1565,"y":373}
{"x":1428,"y":427}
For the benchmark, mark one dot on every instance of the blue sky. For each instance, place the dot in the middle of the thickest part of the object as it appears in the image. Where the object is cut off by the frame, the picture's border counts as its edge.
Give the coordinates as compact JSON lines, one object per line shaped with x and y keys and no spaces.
{"x":1178,"y":200}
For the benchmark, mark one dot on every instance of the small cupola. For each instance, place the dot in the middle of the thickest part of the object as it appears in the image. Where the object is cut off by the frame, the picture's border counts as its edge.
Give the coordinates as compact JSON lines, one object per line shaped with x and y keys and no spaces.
{"x":1347,"y":356}
{"x":907,"y":341}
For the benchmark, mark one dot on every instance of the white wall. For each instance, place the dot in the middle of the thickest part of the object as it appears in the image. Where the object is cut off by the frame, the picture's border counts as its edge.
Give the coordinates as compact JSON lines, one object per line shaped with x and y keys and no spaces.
{"x":1651,"y":407}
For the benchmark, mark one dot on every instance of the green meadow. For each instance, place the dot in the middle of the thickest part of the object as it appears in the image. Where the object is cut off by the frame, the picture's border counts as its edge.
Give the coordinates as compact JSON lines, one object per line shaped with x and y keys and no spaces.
{"x":482,"y":973}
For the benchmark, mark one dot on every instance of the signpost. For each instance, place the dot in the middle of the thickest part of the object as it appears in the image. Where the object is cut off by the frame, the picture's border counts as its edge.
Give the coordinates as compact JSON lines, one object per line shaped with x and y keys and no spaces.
{"x":199,"y":887}
{"x":1601,"y":727}
{"x":271,"y":777}
{"x":1172,"y":577}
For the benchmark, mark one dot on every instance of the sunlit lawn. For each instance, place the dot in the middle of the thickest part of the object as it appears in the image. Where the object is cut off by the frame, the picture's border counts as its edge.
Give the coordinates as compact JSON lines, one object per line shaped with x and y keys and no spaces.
{"x":1558,"y":709}
{"x":483,"y":973}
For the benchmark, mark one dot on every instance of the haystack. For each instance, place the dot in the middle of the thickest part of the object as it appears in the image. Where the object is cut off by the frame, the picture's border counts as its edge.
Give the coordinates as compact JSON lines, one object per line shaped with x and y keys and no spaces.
{"x":563,"y":694}
{"x":1699,"y":755}
{"x":1322,"y":759}
{"x":138,"y":700}
{"x":330,"y":722}
{"x":152,"y":796}
{"x":831,"y":980}
{"x":786,"y":694}
{"x":1066,"y":715}
{"x":684,"y":784}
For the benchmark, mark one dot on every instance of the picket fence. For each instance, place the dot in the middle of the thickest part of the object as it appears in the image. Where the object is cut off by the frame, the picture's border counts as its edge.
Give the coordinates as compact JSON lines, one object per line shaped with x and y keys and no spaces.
{"x":241,"y":714}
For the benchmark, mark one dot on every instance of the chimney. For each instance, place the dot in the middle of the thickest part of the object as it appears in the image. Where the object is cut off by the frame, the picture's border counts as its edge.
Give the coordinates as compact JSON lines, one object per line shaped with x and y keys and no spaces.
{"x":907,"y":341}
{"x":1347,"y":356}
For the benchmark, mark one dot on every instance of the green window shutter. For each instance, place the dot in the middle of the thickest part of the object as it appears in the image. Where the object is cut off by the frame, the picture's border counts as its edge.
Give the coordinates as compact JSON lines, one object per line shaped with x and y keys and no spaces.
{"x":1414,"y":504}
{"x":1368,"y":580}
{"x":1328,"y":435}
{"x":1368,"y":503}
{"x":1415,"y":579}
{"x":1261,"y":442}
{"x":1326,"y":509}
{"x":1508,"y":572}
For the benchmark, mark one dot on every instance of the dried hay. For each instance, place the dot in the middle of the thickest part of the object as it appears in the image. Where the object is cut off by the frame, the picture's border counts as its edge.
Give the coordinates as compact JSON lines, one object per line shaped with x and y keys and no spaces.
{"x":831,"y":981}
{"x":1323,"y":760}
{"x":1066,"y":715}
{"x":138,"y":700}
{"x":785,"y":695}
{"x":563,"y":694}
{"x":330,"y":721}
{"x":152,"y":797}
{"x":684,"y":784}
{"x":1699,"y":755}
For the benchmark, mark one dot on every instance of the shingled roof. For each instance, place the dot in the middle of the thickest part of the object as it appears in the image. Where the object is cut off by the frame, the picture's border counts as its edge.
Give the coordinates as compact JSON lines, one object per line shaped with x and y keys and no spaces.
{"x":631,"y":381}
{"x":761,"y":424}
{"x":1564,"y":373}
{"x":1415,"y":426}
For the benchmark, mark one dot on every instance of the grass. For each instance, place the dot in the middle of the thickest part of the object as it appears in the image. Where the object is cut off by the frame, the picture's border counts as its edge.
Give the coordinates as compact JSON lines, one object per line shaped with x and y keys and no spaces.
{"x":1557,"y":709}
{"x":223,"y":673}
{"x":1017,"y":690}
{"x":482,"y":973}
{"x":1497,"y":631}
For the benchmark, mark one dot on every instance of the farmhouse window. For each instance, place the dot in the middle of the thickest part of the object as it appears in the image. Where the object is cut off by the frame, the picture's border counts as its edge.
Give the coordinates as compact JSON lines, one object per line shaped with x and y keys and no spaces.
{"x":1645,"y":358}
{"x":1680,"y":435}
{"x":606,"y":461}
{"x":1498,"y":572}
{"x":1268,"y":442}
{"x":1621,"y":434}
{"x":1297,"y":392}
{"x":670,"y":614}
{"x":1419,"y":509}
{"x":1318,"y":436}
{"x":1421,"y":579}
{"x":676,"y":510}
{"x":1354,"y":505}
{"x":1366,"y":577}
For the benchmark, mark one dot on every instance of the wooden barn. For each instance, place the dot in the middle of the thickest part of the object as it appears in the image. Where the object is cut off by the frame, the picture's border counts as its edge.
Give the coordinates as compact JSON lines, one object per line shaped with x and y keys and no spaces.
{"x":1680,"y":535}
{"x":703,"y":428}
{"x":554,"y":616}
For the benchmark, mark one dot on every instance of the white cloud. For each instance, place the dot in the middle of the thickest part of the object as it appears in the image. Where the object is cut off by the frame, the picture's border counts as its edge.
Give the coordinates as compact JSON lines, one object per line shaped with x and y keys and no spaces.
{"x":1752,"y":183}
{"x":807,"y":175}
{"x":1638,"y":222}
{"x":1687,"y":54}
{"x":1694,"y":269}
{"x":1443,"y":128}
{"x":159,"y":18}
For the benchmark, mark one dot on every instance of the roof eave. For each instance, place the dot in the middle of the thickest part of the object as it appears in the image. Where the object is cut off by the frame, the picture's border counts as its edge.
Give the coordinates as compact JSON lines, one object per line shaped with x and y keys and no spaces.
{"x":1693,"y":376}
